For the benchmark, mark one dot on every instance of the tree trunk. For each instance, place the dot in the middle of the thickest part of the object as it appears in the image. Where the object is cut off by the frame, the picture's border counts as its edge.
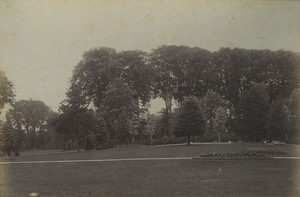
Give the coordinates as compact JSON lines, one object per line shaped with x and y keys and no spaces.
{"x":210,"y":124}
{"x":151,"y":139}
{"x":76,"y":140}
{"x":29,"y":138}
{"x":132,"y":141}
{"x":219,"y":137}
{"x":138,"y":108}
{"x":168,"y":103}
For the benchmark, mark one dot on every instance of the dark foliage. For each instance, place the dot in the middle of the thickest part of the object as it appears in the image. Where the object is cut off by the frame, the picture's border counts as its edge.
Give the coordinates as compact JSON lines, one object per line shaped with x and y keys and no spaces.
{"x":6,"y":139}
{"x":279,"y":121}
{"x":88,"y":144}
{"x":252,"y":113}
{"x":189,"y":120}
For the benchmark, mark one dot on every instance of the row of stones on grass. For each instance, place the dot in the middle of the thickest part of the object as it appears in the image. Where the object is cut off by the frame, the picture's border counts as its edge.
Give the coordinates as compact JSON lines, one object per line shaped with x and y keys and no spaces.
{"x":230,"y":158}
{"x":252,"y":154}
{"x":7,"y":159}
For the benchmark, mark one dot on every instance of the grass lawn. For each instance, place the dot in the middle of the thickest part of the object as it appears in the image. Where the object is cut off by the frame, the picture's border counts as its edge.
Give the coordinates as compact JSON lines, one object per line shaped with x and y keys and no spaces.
{"x":154,"y":177}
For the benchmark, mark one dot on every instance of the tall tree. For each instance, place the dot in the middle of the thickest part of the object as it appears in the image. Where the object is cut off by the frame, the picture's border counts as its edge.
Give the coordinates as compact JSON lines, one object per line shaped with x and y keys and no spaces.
{"x":6,"y":91}
{"x":168,"y":64}
{"x":252,"y":113}
{"x":119,"y":109}
{"x":165,"y":61}
{"x":189,"y":120}
{"x":294,"y":108}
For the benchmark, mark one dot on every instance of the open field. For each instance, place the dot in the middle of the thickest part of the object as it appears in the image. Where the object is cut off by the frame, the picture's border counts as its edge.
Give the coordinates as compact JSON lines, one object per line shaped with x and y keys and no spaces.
{"x":175,"y":177}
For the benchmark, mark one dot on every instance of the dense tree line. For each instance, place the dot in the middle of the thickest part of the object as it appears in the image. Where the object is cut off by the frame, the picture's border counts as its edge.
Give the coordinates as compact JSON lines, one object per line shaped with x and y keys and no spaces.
{"x":235,"y":87}
{"x":241,"y":94}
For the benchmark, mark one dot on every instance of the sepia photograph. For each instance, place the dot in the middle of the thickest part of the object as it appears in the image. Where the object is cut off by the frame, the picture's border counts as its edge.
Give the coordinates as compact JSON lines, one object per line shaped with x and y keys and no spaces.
{"x":149,"y":98}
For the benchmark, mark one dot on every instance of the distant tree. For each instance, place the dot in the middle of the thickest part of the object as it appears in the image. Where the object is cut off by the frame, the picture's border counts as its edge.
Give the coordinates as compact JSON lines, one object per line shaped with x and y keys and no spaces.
{"x":6,"y":91}
{"x":210,"y":102}
{"x":189,"y":120}
{"x":78,"y":118}
{"x":101,"y":131}
{"x":252,"y":113}
{"x":64,"y":124}
{"x":6,"y":139}
{"x":219,"y":121}
{"x":30,"y":117}
{"x":278,"y":120}
{"x":134,"y":124}
{"x":165,"y":63}
{"x":163,"y":124}
{"x":119,"y":109}
{"x":294,"y":108}
{"x":151,"y":127}
{"x":74,"y":113}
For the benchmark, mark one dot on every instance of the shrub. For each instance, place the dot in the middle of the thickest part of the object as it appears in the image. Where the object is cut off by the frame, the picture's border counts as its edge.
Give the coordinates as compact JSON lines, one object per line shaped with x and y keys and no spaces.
{"x":6,"y":139}
{"x":88,"y":143}
{"x":167,"y":140}
{"x":104,"y":146}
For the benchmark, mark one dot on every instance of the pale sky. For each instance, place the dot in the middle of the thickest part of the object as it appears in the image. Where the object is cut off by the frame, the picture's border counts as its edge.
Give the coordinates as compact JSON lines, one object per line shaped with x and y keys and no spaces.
{"x":41,"y":41}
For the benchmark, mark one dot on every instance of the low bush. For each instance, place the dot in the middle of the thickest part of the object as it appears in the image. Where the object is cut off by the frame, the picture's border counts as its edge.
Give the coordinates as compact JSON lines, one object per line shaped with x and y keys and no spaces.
{"x":88,"y":144}
{"x":169,"y":140}
{"x":104,"y":146}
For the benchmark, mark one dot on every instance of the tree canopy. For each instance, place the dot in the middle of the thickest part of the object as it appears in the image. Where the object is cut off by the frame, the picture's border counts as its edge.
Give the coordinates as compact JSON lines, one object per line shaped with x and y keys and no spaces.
{"x":29,"y":117}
